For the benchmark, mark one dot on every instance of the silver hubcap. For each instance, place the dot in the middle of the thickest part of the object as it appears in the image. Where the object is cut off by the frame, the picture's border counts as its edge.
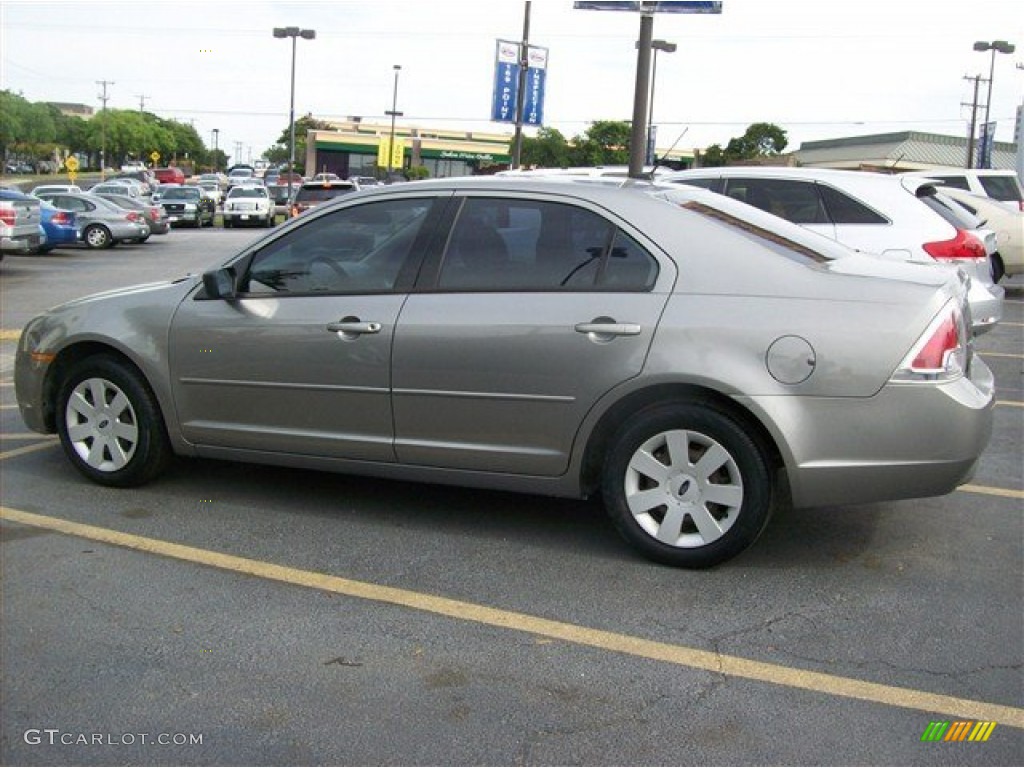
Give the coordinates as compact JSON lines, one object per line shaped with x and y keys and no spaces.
{"x":101,"y":424}
{"x":97,"y":237}
{"x":684,"y":489}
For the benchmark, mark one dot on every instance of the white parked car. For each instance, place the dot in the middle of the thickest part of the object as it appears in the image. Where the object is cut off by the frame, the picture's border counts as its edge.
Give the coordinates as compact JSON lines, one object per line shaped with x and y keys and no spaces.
{"x":1003,"y":186}
{"x":1007,"y":224}
{"x":53,"y":189}
{"x":247,"y":204}
{"x":897,"y":217}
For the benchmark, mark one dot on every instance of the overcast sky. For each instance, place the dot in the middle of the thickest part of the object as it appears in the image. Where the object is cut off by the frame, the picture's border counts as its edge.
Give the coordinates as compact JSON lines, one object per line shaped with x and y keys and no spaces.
{"x":818,"y":68}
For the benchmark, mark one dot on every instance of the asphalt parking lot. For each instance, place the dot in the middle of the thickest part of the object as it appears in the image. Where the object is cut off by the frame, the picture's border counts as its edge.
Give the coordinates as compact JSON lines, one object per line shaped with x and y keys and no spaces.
{"x":230,"y":614}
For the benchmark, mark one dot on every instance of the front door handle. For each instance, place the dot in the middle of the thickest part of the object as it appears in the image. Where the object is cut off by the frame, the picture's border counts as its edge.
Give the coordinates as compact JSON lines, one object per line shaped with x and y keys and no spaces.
{"x":352,"y":328}
{"x":609,"y":329}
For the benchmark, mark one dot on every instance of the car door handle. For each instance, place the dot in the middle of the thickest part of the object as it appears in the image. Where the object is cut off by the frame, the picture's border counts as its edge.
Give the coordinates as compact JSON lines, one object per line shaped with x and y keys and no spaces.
{"x":609,"y":329}
{"x":354,"y":327}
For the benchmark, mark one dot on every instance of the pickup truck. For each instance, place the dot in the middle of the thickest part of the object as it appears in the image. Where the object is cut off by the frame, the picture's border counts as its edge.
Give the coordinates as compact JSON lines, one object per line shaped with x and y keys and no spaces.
{"x":19,"y":222}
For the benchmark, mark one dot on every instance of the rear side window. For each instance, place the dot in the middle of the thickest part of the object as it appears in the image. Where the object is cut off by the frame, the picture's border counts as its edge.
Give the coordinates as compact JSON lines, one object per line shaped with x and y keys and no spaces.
{"x":957,"y":216}
{"x":795,"y":201}
{"x":843,"y":209}
{"x":535,"y":245}
{"x":702,"y":183}
{"x":1001,"y":187}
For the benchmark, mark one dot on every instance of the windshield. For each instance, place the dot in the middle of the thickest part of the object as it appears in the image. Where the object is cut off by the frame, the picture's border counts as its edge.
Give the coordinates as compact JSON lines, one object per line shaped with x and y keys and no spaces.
{"x":248,"y":192}
{"x":181,"y":194}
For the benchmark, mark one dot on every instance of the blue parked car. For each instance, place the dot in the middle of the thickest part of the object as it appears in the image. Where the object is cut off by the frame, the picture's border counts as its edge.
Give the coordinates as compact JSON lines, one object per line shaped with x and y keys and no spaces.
{"x":57,"y":227}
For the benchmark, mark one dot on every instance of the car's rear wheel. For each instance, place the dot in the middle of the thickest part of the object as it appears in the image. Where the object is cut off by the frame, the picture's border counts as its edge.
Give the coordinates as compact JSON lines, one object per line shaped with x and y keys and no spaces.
{"x":109,"y":423}
{"x":227,"y":223}
{"x":686,"y":485}
{"x":97,"y":236}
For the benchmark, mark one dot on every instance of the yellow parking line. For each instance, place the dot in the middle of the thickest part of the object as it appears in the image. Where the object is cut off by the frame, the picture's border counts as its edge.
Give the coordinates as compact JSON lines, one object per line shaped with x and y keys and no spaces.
{"x":1007,"y":493}
{"x":7,"y":407}
{"x":20,"y":435}
{"x":678,"y":655}
{"x":1010,"y":403}
{"x":28,"y":448}
{"x":9,"y":335}
{"x":1001,"y":354}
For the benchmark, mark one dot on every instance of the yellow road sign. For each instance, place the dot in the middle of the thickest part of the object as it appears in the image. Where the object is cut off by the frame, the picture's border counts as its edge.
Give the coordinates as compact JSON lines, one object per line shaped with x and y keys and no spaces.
{"x":155,"y":156}
{"x":71,"y":164}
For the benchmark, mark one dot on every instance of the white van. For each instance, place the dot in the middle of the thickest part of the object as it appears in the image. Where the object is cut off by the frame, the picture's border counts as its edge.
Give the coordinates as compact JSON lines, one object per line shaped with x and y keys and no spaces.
{"x":999,"y":185}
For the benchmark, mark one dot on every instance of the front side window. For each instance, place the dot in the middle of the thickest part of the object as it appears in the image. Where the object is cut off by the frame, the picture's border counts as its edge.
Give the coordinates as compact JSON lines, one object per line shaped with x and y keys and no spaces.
{"x":533,"y":245}
{"x":355,"y":250}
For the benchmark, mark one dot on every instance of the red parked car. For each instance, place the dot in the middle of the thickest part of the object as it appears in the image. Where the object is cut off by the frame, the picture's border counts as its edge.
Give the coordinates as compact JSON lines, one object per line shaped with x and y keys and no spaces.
{"x":169,"y":175}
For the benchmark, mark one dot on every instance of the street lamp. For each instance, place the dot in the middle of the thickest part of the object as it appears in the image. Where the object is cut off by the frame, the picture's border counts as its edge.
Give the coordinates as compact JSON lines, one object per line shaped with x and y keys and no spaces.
{"x":216,"y":161}
{"x":667,"y":47}
{"x":394,"y":113}
{"x":294,"y":33}
{"x":1000,"y":46}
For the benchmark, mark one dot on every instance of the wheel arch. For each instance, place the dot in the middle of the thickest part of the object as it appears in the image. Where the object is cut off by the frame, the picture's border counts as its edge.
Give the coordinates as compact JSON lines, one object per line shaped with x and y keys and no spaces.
{"x":70,"y":356}
{"x":659,"y":395}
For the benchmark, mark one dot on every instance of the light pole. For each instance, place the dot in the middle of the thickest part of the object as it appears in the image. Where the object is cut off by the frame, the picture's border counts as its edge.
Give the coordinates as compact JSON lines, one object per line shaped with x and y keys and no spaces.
{"x":667,"y":47}
{"x":216,"y":161}
{"x":294,"y":33}
{"x":1000,"y":46}
{"x":394,"y":113}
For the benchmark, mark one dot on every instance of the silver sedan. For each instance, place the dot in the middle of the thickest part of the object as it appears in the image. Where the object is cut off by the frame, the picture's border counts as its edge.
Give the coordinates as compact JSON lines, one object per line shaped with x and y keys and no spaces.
{"x":101,"y":223}
{"x":692,"y":360}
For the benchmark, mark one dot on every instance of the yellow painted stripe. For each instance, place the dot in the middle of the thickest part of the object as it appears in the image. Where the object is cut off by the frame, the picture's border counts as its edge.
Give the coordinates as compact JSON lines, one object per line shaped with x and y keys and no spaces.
{"x":988,"y":732}
{"x":8,"y":335}
{"x":28,"y":449}
{"x":679,"y":655}
{"x":1014,"y":355}
{"x":7,"y":407}
{"x":1010,"y":403}
{"x":1008,"y":493}
{"x":20,"y":435}
{"x":1015,"y":325}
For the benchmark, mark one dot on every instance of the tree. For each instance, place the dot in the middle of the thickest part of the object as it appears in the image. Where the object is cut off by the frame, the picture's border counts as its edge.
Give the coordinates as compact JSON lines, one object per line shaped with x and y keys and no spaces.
{"x":279,"y":152}
{"x":605,"y":142}
{"x":759,"y":140}
{"x":549,"y":149}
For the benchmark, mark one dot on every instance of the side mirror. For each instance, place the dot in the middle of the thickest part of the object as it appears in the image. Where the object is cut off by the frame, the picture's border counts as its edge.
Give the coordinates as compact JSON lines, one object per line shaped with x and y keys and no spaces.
{"x":220,"y":284}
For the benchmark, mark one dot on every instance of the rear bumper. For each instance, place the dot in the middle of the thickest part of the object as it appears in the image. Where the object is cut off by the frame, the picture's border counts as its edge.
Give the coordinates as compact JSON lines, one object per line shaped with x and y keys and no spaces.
{"x":19,"y":244}
{"x":907,"y":441}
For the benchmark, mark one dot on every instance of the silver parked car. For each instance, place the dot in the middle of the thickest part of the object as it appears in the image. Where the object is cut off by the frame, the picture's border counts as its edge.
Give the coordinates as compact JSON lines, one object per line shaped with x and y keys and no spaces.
{"x":101,"y":223}
{"x":691,"y":359}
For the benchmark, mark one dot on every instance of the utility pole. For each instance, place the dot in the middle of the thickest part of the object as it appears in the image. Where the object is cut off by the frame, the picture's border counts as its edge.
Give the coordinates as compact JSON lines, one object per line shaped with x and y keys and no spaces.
{"x":524,"y":65}
{"x":974,"y":119}
{"x":103,"y":126}
{"x":142,"y":102}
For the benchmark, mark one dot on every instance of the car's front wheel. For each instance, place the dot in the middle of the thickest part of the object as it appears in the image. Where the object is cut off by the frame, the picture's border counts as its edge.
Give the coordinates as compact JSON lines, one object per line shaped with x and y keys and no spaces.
{"x":686,"y":485}
{"x":109,"y":423}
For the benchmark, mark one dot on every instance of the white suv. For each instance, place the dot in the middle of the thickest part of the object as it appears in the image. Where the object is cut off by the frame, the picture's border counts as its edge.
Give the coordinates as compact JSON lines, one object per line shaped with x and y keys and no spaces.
{"x":248,"y":205}
{"x":898,"y":217}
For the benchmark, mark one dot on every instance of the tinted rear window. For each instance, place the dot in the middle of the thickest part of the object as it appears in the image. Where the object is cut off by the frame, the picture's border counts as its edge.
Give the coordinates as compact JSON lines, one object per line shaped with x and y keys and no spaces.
{"x":319,"y":194}
{"x":1001,"y":187}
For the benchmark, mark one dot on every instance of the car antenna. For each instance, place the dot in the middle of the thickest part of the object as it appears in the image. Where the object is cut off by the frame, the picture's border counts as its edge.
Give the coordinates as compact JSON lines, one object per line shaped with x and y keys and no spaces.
{"x":657,"y":160}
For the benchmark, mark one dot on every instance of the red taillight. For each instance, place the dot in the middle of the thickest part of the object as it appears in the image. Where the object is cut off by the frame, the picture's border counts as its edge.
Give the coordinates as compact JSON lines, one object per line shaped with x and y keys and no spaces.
{"x":8,"y":216}
{"x":940,"y":354}
{"x":932,"y":357}
{"x":60,"y":217}
{"x":154,"y":212}
{"x":963,"y":246}
{"x":132,"y":216}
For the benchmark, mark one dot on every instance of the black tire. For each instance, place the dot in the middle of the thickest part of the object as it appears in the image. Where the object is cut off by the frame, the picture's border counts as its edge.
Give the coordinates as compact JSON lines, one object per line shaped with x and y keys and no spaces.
{"x":97,"y":236}
{"x":110,"y":425}
{"x":143,"y":239}
{"x":701,"y":488}
{"x":227,"y":223}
